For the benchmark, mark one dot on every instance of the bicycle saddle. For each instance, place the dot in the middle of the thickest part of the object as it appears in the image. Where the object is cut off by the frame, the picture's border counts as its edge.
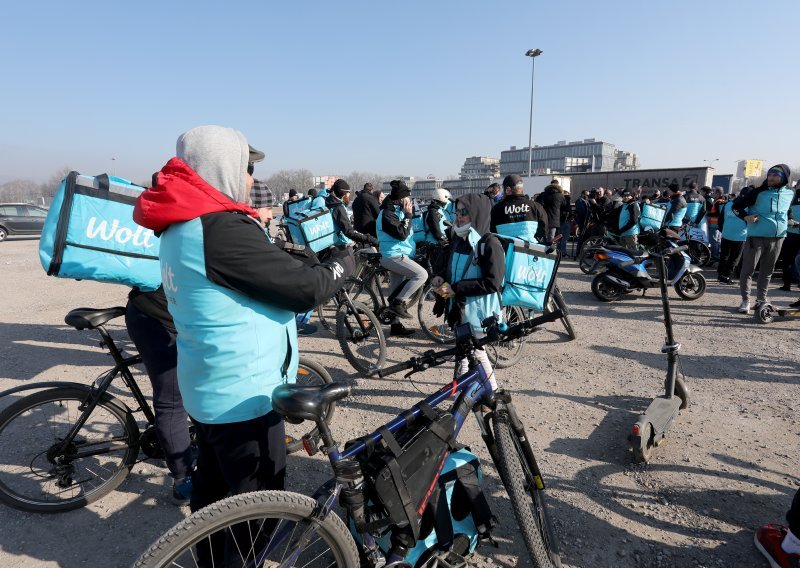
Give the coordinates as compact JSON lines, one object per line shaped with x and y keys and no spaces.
{"x":372,"y":256}
{"x":90,"y":318}
{"x":307,"y":402}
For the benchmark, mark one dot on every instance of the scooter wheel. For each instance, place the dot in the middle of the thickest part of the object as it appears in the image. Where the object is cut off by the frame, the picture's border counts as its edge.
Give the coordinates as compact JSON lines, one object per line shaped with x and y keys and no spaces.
{"x":605,"y":290}
{"x":642,"y":443}
{"x":691,"y":286}
{"x":765,"y":314}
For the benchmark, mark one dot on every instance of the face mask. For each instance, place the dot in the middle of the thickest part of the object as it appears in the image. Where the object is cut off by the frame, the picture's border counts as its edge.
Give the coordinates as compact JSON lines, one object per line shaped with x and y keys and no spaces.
{"x":462,"y":230}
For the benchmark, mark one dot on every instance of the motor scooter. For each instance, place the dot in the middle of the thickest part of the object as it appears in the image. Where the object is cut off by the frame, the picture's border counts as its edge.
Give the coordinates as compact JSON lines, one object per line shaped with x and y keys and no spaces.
{"x":626,"y":270}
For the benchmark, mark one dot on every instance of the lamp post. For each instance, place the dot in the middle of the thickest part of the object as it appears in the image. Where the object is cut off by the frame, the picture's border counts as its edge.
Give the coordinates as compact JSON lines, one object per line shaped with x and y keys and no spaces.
{"x":711,"y":162}
{"x":533,"y":54}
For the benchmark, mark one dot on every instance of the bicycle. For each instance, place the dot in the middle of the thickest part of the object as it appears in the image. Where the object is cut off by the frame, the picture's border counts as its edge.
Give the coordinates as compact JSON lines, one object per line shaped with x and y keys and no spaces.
{"x":281,"y":528}
{"x":69,"y":444}
{"x":502,"y":355}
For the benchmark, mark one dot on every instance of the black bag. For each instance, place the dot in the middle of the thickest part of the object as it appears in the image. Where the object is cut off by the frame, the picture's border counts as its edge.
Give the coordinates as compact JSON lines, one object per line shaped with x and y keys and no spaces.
{"x":401,"y":474}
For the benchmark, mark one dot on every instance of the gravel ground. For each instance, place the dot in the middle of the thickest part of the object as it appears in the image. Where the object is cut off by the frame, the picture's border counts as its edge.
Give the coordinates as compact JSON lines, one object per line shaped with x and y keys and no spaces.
{"x":729,"y":465}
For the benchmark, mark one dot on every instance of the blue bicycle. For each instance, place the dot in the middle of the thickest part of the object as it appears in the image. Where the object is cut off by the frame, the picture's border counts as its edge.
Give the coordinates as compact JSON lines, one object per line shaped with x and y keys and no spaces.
{"x":284,"y":529}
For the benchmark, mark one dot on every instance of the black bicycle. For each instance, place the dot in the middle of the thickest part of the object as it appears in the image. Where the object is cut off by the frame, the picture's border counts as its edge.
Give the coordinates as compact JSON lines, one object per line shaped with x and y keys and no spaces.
{"x":280,"y":528}
{"x":70,"y":444}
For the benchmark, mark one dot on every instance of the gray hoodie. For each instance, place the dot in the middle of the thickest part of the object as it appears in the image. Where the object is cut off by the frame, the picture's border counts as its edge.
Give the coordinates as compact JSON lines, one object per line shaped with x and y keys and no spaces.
{"x":219,"y":155}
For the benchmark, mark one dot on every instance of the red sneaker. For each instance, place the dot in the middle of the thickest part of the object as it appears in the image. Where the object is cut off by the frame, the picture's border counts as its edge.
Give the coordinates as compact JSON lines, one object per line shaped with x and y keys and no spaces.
{"x":768,"y":540}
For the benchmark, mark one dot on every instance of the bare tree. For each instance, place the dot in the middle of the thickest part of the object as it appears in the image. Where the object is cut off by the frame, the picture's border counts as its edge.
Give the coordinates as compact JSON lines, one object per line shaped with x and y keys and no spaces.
{"x":281,"y":182}
{"x":357,"y":180}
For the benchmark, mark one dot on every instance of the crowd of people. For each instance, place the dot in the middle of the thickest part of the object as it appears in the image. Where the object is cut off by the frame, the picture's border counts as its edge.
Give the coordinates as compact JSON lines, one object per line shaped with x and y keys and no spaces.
{"x":220,"y":334}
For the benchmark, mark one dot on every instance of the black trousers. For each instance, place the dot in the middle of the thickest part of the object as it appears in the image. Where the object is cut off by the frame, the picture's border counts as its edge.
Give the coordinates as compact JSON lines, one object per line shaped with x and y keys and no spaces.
{"x":793,"y":516}
{"x":730,"y":253}
{"x":791,"y":247}
{"x":159,"y":354}
{"x":236,"y":458}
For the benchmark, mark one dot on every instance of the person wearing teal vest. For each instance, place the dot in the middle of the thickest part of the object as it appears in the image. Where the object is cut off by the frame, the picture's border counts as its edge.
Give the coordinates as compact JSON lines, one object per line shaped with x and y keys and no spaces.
{"x":397,"y":247}
{"x":677,"y":208}
{"x":319,"y":201}
{"x":734,"y":235}
{"x":233,"y":296}
{"x":337,"y":202}
{"x":627,"y":225}
{"x":766,"y":211}
{"x":472,"y":279}
{"x":791,"y":246}
{"x":435,"y":222}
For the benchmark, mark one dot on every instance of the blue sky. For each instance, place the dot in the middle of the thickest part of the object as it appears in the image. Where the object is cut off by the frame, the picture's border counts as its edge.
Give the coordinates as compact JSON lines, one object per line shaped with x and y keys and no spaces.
{"x":407,"y":88}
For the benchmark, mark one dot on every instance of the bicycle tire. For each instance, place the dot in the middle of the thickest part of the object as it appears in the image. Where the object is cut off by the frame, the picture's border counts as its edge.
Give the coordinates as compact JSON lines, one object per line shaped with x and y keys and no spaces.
{"x":224,"y":515}
{"x":27,"y":442}
{"x":586,"y":256}
{"x":527,"y":501}
{"x":700,"y":253}
{"x":505,"y":354}
{"x":437,"y":332}
{"x":308,"y":373}
{"x":350,"y":337}
{"x":363,"y":291}
{"x":558,"y":299}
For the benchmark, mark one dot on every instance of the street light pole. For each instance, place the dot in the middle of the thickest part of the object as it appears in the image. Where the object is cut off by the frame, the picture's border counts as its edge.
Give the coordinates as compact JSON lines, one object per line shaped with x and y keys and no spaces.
{"x":711,"y":162}
{"x":533,"y":54}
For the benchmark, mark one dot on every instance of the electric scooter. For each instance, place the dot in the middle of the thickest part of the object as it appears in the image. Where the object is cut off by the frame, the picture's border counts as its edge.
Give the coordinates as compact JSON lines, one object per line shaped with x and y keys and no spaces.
{"x":767,"y":313}
{"x":653,"y":426}
{"x":627,"y":270}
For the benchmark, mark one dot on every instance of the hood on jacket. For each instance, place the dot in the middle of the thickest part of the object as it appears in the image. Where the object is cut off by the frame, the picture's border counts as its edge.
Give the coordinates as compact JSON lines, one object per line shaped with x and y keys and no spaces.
{"x":783,"y":168}
{"x":219,"y":155}
{"x":179,"y":195}
{"x":480,"y":210}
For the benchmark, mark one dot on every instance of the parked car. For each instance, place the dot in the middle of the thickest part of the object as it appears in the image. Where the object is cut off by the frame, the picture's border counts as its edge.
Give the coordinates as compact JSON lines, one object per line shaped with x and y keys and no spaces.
{"x":21,"y":219}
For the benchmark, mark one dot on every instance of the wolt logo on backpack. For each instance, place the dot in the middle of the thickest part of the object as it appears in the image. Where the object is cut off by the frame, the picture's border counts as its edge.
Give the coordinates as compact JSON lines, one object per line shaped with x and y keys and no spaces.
{"x":140,"y":238}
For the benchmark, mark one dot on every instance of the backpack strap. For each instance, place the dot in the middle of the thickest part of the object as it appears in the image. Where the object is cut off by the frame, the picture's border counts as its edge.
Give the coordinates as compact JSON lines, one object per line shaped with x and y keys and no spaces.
{"x":481,"y":513}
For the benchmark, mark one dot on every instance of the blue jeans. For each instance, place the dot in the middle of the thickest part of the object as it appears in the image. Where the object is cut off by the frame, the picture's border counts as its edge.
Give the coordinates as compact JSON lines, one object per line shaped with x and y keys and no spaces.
{"x":565,"y":228}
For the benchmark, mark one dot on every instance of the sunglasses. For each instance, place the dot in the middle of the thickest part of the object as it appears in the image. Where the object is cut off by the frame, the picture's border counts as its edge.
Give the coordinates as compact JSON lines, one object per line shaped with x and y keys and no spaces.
{"x":251,"y":168}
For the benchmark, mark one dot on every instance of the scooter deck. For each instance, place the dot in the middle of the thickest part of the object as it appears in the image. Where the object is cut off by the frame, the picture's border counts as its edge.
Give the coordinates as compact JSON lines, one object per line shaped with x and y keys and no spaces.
{"x":661,"y":412}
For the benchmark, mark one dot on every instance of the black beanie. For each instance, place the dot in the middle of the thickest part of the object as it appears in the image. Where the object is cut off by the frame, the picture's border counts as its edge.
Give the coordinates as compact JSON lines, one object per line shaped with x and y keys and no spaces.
{"x":292,"y":192}
{"x":782,"y":169}
{"x":512,"y":180}
{"x":399,"y":190}
{"x":340,"y":187}
{"x":674,"y":187}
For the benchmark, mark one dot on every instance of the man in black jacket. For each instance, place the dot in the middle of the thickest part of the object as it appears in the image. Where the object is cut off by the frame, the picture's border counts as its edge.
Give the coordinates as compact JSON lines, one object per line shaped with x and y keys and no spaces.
{"x":552,"y":200}
{"x":365,"y":210}
{"x":336,"y":202}
{"x":517,"y":215}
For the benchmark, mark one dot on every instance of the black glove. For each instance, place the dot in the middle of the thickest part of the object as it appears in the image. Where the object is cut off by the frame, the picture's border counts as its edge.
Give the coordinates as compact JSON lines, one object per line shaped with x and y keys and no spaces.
{"x":439,"y":306}
{"x":373,"y":241}
{"x":344,"y":257}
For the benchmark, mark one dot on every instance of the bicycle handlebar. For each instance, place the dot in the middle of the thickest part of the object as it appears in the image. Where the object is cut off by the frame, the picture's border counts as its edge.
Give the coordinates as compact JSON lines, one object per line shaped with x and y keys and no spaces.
{"x":434,"y":358}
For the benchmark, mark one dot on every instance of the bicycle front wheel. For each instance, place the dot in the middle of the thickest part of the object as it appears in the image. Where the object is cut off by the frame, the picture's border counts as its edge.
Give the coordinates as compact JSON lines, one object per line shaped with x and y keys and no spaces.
{"x":504,"y":354}
{"x":263,"y":528}
{"x":432,"y":326}
{"x":361,"y":337}
{"x":527,"y":500}
{"x":557,"y":302}
{"x":308,"y":373}
{"x":37,"y":474}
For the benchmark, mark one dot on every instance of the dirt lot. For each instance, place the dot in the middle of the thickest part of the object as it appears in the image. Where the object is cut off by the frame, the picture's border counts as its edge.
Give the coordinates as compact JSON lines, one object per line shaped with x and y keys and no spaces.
{"x":730,"y":463}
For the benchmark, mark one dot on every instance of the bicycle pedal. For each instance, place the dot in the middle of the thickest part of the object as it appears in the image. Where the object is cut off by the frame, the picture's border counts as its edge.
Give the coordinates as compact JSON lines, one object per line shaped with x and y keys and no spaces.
{"x":310,"y":444}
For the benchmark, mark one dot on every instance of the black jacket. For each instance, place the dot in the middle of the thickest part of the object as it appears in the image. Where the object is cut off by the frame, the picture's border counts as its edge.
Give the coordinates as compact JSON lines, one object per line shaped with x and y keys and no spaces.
{"x":519,"y":208}
{"x":552,"y":200}
{"x":432,"y":218}
{"x":365,"y":212}
{"x":341,"y":222}
{"x":392,"y":225}
{"x":154,"y":305}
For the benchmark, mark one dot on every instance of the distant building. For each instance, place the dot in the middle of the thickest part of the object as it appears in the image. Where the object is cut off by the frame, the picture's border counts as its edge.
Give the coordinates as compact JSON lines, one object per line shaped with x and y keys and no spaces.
{"x":410,"y":182}
{"x":480,"y":167}
{"x":574,"y":157}
{"x":323,"y":182}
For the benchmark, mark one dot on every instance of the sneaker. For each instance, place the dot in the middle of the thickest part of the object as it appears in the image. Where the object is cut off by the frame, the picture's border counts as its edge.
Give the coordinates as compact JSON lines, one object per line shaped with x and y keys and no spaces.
{"x":795,"y":304}
{"x":725,"y":280}
{"x":399,"y":330}
{"x":307,"y":329}
{"x":768,"y":539}
{"x":399,"y":308}
{"x":744,"y":307}
{"x":182,"y":491}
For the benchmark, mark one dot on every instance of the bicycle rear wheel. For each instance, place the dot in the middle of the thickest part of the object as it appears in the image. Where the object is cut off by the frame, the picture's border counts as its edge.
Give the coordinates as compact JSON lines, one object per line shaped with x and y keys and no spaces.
{"x":434,"y":327}
{"x":308,"y":373}
{"x":36,"y":476}
{"x":527,"y":500}
{"x":361,"y":337}
{"x":504,"y":354}
{"x":254,"y":529}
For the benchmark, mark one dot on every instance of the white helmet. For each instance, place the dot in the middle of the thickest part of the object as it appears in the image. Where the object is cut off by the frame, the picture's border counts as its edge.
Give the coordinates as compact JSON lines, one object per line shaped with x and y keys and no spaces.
{"x":441,"y":195}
